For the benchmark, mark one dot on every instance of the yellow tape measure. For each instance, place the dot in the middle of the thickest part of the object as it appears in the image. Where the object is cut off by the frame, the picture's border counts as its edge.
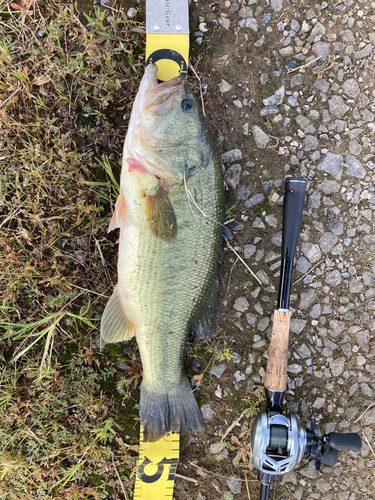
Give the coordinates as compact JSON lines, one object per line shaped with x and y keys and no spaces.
{"x":157,"y":468}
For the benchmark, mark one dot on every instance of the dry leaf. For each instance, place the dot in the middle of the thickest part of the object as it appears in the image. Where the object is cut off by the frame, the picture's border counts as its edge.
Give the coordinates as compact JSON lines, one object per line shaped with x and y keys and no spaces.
{"x":41,"y":80}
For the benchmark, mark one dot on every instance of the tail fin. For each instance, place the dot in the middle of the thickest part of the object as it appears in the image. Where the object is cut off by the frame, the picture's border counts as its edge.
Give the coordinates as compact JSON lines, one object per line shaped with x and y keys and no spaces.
{"x":176,"y":411}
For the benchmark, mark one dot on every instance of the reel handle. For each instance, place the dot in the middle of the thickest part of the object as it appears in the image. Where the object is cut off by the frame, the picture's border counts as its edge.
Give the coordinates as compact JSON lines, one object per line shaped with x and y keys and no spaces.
{"x":350,"y":441}
{"x":294,"y":197}
{"x":276,"y":373}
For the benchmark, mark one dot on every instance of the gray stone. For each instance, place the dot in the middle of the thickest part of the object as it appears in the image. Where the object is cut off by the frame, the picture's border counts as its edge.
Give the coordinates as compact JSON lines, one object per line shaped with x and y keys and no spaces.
{"x":368,"y":116}
{"x":347,"y":36}
{"x":355,"y":148}
{"x":319,"y":403}
{"x":304,"y":351}
{"x":261,"y":274}
{"x":362,"y":337}
{"x":317,"y":31}
{"x":366,"y":390}
{"x":216,"y":448}
{"x":207,"y":413}
{"x":224,"y":86}
{"x":261,"y":138}
{"x":303,"y":121}
{"x":292,"y":101}
{"x":271,"y":220}
{"x":255,"y":200}
{"x":239,"y":376}
{"x":249,"y":250}
{"x":277,"y":239}
{"x":314,"y":200}
{"x":336,"y":327}
{"x":257,"y":221}
{"x":337,"y":107}
{"x":277,"y":5}
{"x":354,"y":167}
{"x":337,"y":366}
{"x":329,"y":187}
{"x":232,"y":175}
{"x":251,"y":318}
{"x":310,"y":143}
{"x":311,"y":251}
{"x":365,"y":52}
{"x":269,"y":110}
{"x":351,"y":88}
{"x":218,"y":370}
{"x":296,"y":80}
{"x":286,"y":51}
{"x":243,"y":193}
{"x":276,"y":99}
{"x":241,"y":304}
{"x":332,"y":164}
{"x":334,"y":278}
{"x":231,"y":156}
{"x":322,"y":85}
{"x":297,"y":325}
{"x":252,"y":24}
{"x":245,"y":12}
{"x":294,"y":368}
{"x":316,"y":311}
{"x":327,"y":241}
{"x":322,"y":50}
{"x":263,"y":324}
{"x":307,"y":298}
{"x":369,"y":416}
{"x":260,"y":42}
{"x":234,"y":485}
{"x":355,"y":286}
{"x":334,"y":225}
{"x":302,"y":265}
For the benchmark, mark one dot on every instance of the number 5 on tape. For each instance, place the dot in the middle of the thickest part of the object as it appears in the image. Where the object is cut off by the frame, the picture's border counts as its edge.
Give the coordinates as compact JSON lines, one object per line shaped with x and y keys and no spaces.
{"x":157,"y":468}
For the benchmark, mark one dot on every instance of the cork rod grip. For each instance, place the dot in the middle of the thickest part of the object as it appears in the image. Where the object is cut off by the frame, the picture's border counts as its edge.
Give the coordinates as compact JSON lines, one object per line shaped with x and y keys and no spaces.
{"x":278,"y":352}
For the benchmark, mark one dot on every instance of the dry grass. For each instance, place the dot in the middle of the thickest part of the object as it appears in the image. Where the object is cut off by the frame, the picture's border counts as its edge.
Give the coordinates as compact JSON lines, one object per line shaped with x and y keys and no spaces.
{"x":68,"y":75}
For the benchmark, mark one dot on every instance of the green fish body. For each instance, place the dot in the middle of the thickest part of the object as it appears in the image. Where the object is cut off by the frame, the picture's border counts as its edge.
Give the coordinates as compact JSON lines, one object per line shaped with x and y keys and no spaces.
{"x":170,"y":213}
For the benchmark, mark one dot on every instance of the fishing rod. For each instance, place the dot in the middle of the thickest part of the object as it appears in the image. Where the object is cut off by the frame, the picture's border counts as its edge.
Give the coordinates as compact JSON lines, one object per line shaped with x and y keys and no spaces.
{"x":279,"y":442}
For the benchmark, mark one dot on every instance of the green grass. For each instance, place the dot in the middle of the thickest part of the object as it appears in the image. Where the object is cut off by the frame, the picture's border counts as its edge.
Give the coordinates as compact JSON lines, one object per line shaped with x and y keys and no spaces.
{"x":68,"y":74}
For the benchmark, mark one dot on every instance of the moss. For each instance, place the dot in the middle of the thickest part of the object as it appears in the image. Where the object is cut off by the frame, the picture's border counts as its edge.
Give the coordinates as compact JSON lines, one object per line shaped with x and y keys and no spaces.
{"x":270,"y":87}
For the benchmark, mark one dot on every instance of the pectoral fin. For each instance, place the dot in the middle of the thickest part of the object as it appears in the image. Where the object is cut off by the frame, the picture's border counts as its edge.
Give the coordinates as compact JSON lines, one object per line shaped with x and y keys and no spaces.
{"x":115,"y":326}
{"x":161,"y":218}
{"x":119,"y":218}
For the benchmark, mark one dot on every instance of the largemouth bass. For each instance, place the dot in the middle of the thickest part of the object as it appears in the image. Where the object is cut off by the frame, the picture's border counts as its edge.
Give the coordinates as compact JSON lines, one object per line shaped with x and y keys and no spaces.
{"x":170,"y":213}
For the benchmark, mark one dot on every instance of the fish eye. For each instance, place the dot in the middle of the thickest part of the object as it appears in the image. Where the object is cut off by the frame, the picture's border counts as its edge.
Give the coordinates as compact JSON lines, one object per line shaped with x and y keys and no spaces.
{"x":186,"y":105}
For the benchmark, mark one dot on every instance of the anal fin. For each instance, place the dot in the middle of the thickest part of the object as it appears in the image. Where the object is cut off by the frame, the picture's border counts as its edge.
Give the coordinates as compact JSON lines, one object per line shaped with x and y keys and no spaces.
{"x":115,"y":326}
{"x":204,"y":324}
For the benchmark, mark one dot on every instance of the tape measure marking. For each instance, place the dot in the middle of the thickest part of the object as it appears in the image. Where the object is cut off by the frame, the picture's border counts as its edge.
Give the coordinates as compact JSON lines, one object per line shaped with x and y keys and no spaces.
{"x":157,"y":467}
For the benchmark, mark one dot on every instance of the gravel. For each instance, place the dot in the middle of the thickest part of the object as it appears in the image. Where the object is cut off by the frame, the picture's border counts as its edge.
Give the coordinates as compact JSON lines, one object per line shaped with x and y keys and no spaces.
{"x":322,"y":119}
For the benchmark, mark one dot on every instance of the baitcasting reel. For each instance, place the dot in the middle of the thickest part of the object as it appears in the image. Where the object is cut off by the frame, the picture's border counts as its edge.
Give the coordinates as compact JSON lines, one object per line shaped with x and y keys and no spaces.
{"x":280,"y":443}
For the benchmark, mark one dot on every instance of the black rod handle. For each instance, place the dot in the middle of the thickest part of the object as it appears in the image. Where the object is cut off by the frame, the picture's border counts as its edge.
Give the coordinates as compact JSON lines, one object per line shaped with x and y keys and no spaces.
{"x":350,"y":441}
{"x":294,"y":198}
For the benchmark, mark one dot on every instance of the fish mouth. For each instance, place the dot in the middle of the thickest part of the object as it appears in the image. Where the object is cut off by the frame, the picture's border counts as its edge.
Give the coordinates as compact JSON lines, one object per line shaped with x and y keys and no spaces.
{"x":159,"y":97}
